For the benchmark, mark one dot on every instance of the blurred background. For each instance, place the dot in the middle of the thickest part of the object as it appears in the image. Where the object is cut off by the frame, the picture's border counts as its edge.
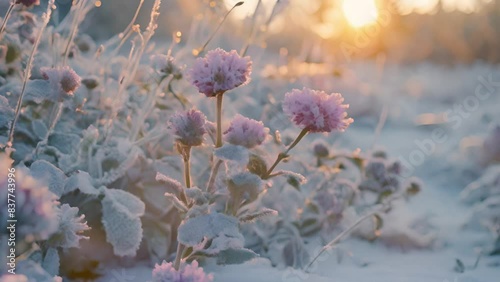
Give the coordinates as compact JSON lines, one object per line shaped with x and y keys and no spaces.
{"x":405,"y":31}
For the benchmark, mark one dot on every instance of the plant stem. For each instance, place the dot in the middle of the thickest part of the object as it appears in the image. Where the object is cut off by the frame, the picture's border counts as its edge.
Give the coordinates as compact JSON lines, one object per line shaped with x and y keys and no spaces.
{"x":178,"y":255}
{"x":186,"y":156}
{"x":27,"y":71}
{"x":218,"y":143}
{"x":6,"y":18}
{"x":213,"y":175}
{"x":284,"y":155}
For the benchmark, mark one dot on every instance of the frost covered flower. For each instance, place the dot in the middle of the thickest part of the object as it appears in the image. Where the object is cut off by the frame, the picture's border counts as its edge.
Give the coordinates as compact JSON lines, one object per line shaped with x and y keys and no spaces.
{"x":381,"y":176}
{"x":320,"y":149}
{"x":165,"y":65}
{"x":246,"y":132}
{"x":63,"y":80}
{"x":28,"y":3}
{"x":220,"y":71}
{"x":316,"y":111}
{"x":35,"y":213}
{"x":187,"y":273}
{"x":189,"y":127}
{"x":70,"y":228}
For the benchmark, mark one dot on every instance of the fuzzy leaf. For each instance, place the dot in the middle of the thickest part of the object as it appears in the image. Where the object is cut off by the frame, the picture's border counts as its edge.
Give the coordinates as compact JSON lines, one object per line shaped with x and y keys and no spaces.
{"x":82,"y":181}
{"x":64,"y":142}
{"x":49,"y":175}
{"x":120,"y":217}
{"x":233,"y":153}
{"x":176,"y":202}
{"x":38,"y":91}
{"x":6,"y":112}
{"x":235,"y":256}
{"x":194,"y":230}
{"x":39,"y":128}
{"x":71,"y":226}
{"x":170,"y":182}
{"x":51,"y":262}
{"x":257,"y":215}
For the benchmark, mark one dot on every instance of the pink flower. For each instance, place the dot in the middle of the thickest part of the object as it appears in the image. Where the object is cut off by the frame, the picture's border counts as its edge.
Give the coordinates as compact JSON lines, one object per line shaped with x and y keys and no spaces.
{"x":189,"y":127}
{"x":246,"y":132}
{"x":187,"y":273}
{"x":220,"y":71}
{"x":63,"y":80}
{"x":316,"y":111}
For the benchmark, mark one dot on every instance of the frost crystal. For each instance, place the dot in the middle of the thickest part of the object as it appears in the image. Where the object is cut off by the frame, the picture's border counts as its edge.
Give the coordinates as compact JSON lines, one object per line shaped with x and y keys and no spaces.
{"x":220,"y":71}
{"x":316,"y":111}
{"x":187,"y":273}
{"x":63,"y":80}
{"x":70,"y":227}
{"x":246,"y":132}
{"x":189,"y":127}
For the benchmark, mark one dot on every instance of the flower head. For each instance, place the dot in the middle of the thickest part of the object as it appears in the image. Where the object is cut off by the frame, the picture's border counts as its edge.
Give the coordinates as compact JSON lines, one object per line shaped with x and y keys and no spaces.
{"x":165,"y":65}
{"x":63,"y":80}
{"x":246,"y":132}
{"x":316,"y":111}
{"x":220,"y":71}
{"x":187,"y":273}
{"x":189,"y":127}
{"x":28,"y":3}
{"x":35,"y":211}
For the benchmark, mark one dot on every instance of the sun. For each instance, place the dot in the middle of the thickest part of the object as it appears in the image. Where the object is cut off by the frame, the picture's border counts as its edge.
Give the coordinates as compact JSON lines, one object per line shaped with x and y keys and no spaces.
{"x":360,"y":12}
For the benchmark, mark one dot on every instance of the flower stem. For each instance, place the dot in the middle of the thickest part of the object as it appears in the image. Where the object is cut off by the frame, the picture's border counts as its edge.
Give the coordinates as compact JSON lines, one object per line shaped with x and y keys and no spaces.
{"x":283,"y":155}
{"x":186,"y":156}
{"x":218,"y":143}
{"x":178,"y":255}
{"x":6,"y":18}
{"x":213,"y":175}
{"x":27,"y":72}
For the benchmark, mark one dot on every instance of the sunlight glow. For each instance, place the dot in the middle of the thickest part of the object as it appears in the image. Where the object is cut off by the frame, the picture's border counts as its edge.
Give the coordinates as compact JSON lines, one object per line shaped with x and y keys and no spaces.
{"x":360,"y":12}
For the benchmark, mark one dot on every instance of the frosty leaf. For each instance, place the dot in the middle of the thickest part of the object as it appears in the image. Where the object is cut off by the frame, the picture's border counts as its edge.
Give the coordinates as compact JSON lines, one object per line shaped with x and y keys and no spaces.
{"x":39,"y":128}
{"x":194,"y":230}
{"x":120,"y":217}
{"x":176,"y":202}
{"x":124,"y":200}
{"x":6,"y":112}
{"x":39,"y":91}
{"x":82,"y":181}
{"x":235,"y":256}
{"x":233,"y":153}
{"x":196,"y":194}
{"x":245,"y":186}
{"x":51,"y":262}
{"x":257,"y":215}
{"x":49,"y":175}
{"x":170,"y":182}
{"x":64,"y":142}
{"x":297,"y":177}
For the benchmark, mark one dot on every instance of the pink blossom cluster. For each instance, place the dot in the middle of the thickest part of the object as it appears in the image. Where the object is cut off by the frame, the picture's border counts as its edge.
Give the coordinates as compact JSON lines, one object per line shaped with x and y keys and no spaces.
{"x":246,"y":132}
{"x":187,"y":273}
{"x":316,"y":111}
{"x":189,"y":127}
{"x":220,"y":71}
{"x":63,"y":80}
